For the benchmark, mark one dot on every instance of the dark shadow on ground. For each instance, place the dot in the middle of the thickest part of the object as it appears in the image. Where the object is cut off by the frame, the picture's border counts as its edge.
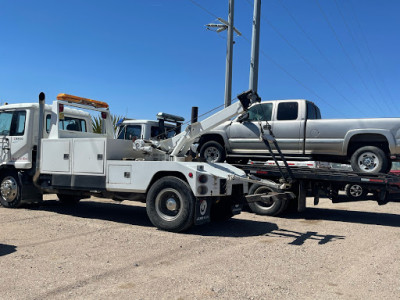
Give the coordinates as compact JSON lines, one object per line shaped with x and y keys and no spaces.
{"x":136,"y":215}
{"x":348,"y":216}
{"x":113,"y":212}
{"x":7,"y":249}
{"x":234,"y":228}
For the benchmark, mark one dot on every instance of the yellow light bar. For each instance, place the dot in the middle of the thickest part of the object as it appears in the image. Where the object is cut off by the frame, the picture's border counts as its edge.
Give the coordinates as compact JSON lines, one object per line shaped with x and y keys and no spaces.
{"x":80,"y":100}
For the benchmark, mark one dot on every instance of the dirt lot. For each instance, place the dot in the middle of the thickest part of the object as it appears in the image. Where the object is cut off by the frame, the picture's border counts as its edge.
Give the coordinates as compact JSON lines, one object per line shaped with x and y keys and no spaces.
{"x":103,"y":249}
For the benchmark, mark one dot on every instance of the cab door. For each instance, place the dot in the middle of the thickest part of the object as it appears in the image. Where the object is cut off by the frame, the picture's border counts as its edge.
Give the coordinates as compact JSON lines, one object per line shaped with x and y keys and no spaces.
{"x":14,"y":142}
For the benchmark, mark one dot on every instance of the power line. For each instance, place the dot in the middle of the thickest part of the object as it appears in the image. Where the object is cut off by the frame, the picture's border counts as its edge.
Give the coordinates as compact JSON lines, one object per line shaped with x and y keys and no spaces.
{"x":347,"y":55}
{"x":309,"y":63}
{"x":293,"y":77}
{"x":360,"y":53}
{"x":372,"y":58}
{"x":331,"y":65}
{"x":203,"y":8}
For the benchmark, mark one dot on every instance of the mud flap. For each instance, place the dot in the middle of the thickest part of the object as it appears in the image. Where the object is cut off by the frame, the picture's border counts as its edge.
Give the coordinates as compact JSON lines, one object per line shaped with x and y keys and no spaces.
{"x":301,"y":200}
{"x":29,"y":192}
{"x":202,"y":211}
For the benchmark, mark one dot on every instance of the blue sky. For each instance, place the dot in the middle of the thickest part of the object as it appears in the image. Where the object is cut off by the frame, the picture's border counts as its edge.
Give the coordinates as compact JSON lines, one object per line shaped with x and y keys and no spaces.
{"x":146,"y":56}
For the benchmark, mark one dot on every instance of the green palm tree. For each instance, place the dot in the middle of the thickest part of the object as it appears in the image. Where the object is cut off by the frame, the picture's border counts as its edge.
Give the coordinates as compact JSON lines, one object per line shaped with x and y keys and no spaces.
{"x":97,"y":121}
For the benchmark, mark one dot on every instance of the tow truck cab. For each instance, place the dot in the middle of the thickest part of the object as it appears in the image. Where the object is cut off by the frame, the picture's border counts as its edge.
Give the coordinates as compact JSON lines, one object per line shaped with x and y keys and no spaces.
{"x":19,"y":131}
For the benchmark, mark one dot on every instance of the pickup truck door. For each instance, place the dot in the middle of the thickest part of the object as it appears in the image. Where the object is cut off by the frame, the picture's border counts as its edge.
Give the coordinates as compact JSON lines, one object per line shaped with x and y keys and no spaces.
{"x":244,"y":135}
{"x":286,"y":122}
{"x":288,"y":127}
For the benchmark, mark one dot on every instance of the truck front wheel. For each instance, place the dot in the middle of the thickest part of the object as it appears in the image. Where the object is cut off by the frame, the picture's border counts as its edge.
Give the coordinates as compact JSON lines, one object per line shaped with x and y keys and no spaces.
{"x":10,"y":190}
{"x":370,"y":160}
{"x":170,"y":204}
{"x":212,"y":152}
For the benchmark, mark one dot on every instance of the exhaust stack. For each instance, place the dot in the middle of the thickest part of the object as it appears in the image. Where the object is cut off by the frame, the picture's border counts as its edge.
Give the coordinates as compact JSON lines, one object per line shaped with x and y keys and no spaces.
{"x":40,"y":136}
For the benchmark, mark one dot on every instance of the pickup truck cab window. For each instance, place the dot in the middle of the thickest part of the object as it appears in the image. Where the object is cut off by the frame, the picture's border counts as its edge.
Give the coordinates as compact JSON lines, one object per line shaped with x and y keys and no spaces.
{"x":261,"y":112}
{"x":312,"y":111}
{"x":12,"y":123}
{"x":287,"y":111}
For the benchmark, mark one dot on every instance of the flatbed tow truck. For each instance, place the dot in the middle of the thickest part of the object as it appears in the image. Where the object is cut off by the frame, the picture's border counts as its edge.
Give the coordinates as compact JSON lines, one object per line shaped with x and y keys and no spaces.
{"x":178,"y":192}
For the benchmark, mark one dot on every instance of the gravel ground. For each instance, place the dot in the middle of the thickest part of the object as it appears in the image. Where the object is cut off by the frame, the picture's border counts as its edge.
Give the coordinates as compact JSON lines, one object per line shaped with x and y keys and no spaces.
{"x":103,"y":249}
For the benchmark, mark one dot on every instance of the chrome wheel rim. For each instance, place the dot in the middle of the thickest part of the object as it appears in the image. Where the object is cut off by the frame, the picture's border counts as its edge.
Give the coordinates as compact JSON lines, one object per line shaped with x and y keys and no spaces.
{"x":169,"y":204}
{"x":9,"y":189}
{"x":369,"y":162}
{"x":211,"y":154}
{"x":356,"y":190}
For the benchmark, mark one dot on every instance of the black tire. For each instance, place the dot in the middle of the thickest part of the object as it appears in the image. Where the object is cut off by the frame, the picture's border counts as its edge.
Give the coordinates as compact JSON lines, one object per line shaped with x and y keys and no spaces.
{"x":370,"y":160}
{"x":212,"y":152}
{"x":355,"y":191}
{"x":10,"y":190}
{"x":170,"y":204}
{"x":261,"y":208}
{"x":68,"y":199}
{"x":389,"y":167}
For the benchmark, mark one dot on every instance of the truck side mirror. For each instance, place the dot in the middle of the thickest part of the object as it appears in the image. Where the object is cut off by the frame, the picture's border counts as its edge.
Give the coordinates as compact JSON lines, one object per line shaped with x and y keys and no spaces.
{"x":243,"y":118}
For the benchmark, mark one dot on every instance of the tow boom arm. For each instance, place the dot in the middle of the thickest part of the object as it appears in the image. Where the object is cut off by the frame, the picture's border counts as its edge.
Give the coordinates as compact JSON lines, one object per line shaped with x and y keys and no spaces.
{"x":179,"y":144}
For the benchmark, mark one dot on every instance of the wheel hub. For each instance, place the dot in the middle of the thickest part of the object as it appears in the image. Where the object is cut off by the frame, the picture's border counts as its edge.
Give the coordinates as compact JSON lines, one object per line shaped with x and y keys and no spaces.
{"x":9,"y":189}
{"x":171,"y":204}
{"x":356,"y":190}
{"x":168,"y":204}
{"x":212,"y":154}
{"x":368,"y":162}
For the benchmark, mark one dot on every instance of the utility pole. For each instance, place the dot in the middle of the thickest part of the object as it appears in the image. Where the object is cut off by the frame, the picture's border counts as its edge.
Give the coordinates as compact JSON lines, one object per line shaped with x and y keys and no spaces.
{"x":229,"y":56}
{"x":229,"y":49}
{"x":255,"y":46}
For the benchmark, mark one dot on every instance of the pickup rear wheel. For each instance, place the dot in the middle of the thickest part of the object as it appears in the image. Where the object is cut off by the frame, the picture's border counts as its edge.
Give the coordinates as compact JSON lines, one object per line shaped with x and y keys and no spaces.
{"x":370,"y":160}
{"x":212,"y":152}
{"x":170,"y":204}
{"x":10,"y":190}
{"x":262,"y":208}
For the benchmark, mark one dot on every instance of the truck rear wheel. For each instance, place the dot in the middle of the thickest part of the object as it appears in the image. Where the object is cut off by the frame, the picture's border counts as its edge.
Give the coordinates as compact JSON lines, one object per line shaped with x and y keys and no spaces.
{"x":369,"y":159}
{"x":170,"y":204}
{"x":262,"y":208}
{"x":10,"y":190}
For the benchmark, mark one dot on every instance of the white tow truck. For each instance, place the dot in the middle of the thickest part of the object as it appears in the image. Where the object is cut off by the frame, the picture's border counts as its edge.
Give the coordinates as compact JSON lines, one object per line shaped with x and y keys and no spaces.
{"x":178,"y":193}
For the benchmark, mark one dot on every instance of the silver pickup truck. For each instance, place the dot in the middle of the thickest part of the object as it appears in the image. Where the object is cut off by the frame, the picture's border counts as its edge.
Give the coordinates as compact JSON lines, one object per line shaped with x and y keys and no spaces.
{"x":370,"y":145}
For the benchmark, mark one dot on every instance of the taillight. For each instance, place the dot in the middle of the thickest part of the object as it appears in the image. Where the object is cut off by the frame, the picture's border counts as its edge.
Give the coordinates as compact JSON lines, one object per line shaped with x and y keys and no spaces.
{"x":203,"y":178}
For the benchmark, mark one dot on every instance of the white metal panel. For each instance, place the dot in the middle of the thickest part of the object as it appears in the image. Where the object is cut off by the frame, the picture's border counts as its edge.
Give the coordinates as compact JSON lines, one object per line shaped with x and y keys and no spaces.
{"x":56,"y":156}
{"x":88,"y":156}
{"x":119,"y":174}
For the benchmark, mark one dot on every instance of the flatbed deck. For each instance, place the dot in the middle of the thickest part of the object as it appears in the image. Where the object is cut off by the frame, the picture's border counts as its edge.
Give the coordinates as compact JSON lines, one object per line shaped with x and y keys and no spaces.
{"x":316,"y":182}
